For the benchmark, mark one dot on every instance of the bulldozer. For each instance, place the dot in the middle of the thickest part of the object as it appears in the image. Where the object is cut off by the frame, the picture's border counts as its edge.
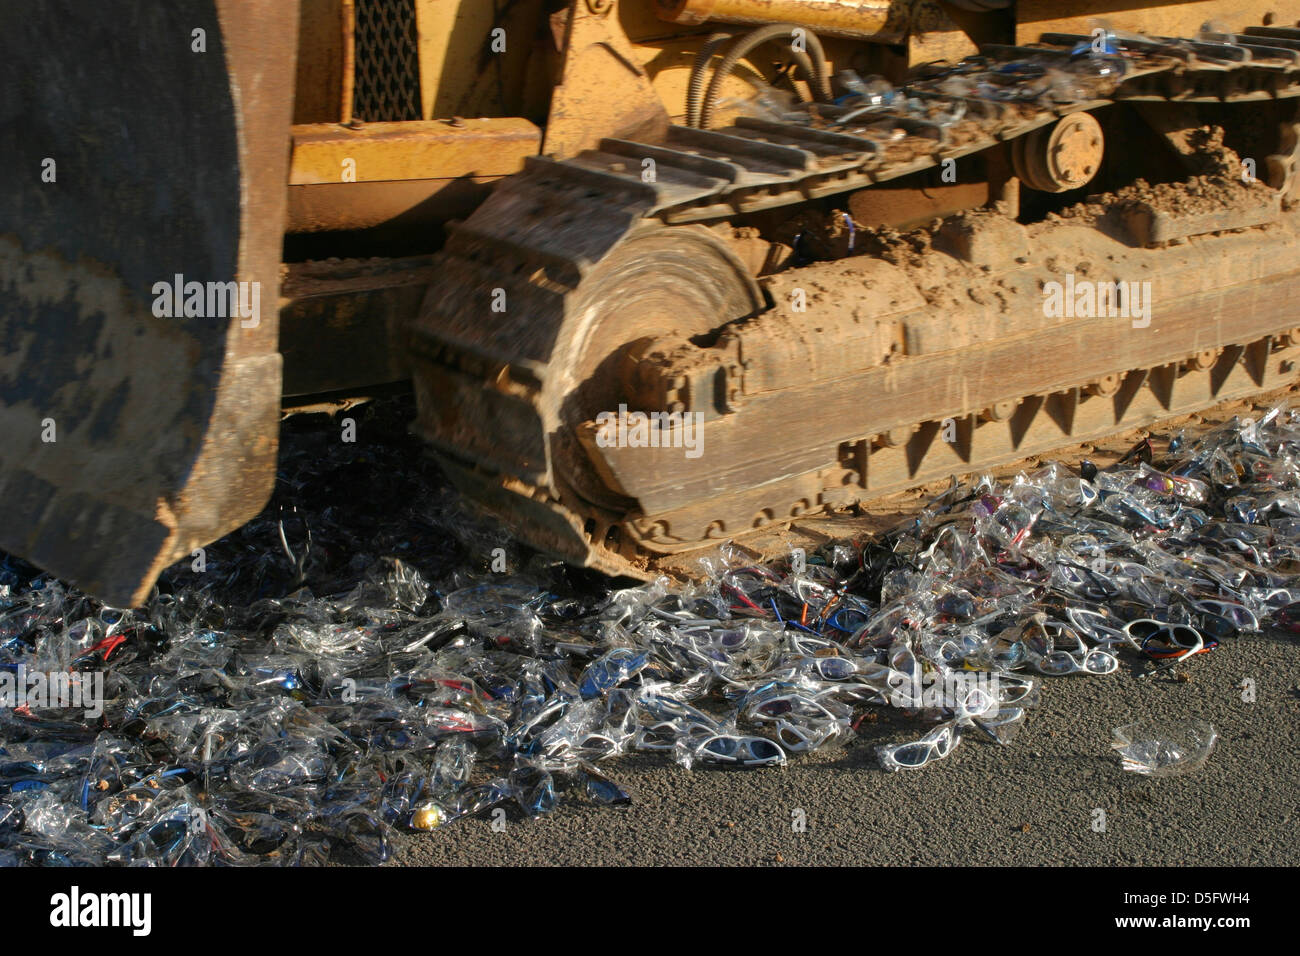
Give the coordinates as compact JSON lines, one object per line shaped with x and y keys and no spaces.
{"x":659,"y":272}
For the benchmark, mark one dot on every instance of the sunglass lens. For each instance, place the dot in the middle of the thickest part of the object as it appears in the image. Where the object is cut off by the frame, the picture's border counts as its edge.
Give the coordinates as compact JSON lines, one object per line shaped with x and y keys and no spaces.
{"x":1099,"y":662}
{"x":722,"y":746}
{"x":835,"y":668}
{"x":761,"y":749}
{"x":1141,"y":630}
{"x":912,"y":755}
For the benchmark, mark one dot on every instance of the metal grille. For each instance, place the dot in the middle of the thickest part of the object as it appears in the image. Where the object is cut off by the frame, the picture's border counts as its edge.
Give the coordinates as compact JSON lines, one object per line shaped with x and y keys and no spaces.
{"x":387,"y":63}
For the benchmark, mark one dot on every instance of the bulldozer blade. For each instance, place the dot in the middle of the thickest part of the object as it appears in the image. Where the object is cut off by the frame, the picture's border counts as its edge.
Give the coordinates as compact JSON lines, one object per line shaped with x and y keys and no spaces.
{"x":146,"y":151}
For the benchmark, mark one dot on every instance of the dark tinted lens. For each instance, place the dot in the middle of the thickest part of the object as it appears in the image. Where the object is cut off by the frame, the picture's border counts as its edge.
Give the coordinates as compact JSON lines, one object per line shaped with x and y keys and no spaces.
{"x":1289,"y":617}
{"x":1217,"y":625}
{"x":1240,"y":616}
{"x":835,"y":668}
{"x":1141,"y":630}
{"x":956,"y":606}
{"x":763,"y":749}
{"x":722,"y":746}
{"x":168,"y":833}
{"x":606,"y":791}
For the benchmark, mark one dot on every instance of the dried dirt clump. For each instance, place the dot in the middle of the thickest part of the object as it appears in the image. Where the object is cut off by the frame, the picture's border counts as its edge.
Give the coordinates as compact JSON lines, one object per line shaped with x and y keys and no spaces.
{"x":1216,"y":186}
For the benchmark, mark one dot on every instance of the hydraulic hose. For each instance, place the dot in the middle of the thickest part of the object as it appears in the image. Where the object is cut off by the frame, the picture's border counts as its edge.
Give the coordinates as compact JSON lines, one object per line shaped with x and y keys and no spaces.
{"x":813,"y":63}
{"x":695,"y":91}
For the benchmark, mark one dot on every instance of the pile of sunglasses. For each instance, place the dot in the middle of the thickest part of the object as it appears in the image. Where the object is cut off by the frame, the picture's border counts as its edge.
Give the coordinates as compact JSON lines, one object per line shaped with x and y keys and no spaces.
{"x":248,"y":721}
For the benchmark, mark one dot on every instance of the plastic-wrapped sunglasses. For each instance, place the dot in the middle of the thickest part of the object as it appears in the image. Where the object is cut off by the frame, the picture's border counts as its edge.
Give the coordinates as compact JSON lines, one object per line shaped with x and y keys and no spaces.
{"x":1062,"y":663}
{"x":1102,"y":628}
{"x":1057,"y":650}
{"x":935,"y":745}
{"x":788,"y":705}
{"x":664,"y":735}
{"x":801,"y":737}
{"x":1237,"y":617}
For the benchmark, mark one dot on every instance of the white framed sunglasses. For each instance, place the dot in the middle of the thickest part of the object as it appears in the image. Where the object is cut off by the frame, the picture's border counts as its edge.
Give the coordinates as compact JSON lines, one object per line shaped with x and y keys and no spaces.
{"x":731,"y":749}
{"x":915,"y":754}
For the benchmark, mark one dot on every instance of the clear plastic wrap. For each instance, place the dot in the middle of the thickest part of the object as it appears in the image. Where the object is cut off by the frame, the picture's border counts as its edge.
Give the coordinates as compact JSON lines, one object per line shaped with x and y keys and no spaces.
{"x":1165,"y":749}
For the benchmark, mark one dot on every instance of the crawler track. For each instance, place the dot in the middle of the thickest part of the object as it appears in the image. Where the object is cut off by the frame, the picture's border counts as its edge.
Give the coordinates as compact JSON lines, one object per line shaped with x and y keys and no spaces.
{"x":579,"y":285}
